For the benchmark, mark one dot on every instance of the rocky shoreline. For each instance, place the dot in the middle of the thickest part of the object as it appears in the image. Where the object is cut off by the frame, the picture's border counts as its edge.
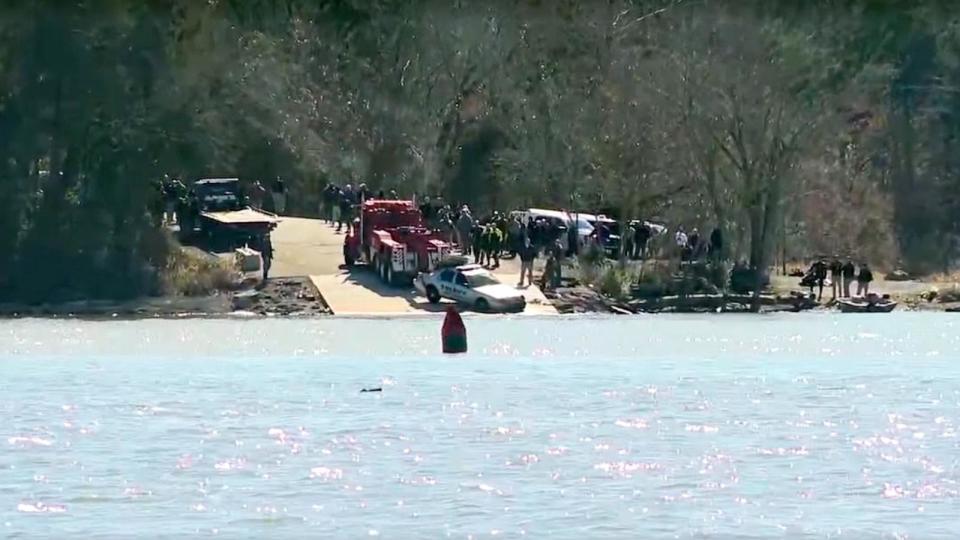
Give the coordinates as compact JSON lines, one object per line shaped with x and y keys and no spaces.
{"x":285,"y":297}
{"x":581,"y":299}
{"x":298,"y":297}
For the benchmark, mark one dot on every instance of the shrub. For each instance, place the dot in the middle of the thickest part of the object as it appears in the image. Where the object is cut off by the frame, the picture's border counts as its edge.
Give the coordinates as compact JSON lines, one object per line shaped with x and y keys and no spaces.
{"x":614,"y":282}
{"x":593,"y":255}
{"x":591,"y":263}
{"x":190,"y":272}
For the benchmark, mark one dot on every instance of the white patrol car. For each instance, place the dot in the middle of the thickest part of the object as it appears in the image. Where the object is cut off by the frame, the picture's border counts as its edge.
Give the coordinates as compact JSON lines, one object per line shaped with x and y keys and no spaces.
{"x":470,"y":284}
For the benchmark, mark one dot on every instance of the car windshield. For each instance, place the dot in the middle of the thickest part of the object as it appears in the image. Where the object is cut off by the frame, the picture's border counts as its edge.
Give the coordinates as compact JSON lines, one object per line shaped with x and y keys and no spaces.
{"x":218,"y":190}
{"x":481,"y":279}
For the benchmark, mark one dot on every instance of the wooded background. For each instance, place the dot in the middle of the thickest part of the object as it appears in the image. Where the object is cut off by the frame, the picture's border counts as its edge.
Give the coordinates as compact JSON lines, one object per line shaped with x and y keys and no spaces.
{"x":800,"y":128}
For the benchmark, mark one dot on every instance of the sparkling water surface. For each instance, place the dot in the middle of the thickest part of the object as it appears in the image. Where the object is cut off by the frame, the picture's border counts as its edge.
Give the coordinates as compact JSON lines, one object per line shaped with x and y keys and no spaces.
{"x":788,"y":426}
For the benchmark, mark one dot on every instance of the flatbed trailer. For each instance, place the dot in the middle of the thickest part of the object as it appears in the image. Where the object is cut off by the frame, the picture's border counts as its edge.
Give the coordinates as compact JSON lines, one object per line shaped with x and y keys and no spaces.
{"x":226,"y":230}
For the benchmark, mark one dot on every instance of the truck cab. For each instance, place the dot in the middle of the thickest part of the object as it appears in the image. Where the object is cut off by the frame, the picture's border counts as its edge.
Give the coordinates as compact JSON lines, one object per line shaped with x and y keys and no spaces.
{"x":218,"y":194}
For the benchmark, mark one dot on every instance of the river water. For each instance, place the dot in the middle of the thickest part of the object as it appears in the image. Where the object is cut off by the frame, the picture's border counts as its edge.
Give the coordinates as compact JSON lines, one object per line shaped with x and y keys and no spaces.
{"x":787,"y":426}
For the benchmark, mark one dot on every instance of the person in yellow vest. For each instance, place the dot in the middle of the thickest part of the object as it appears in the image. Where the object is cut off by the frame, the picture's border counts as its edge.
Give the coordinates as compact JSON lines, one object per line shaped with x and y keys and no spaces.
{"x":494,"y":243}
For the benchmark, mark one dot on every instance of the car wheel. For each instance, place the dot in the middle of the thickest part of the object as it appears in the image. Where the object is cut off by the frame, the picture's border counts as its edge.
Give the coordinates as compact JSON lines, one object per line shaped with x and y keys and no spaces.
{"x":433,"y":295}
{"x":482,"y":305}
{"x":347,"y":259}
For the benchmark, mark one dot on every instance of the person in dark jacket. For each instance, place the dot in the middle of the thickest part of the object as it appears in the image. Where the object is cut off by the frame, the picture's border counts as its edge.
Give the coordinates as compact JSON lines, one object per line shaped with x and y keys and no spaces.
{"x":816,"y":277}
{"x":716,"y":244}
{"x":264,"y":245}
{"x":863,"y":280}
{"x":331,"y":201}
{"x":641,"y":236}
{"x":476,"y":241}
{"x":693,"y":244}
{"x":278,"y":190}
{"x":849,"y":272}
{"x":347,"y":202}
{"x":528,"y":253}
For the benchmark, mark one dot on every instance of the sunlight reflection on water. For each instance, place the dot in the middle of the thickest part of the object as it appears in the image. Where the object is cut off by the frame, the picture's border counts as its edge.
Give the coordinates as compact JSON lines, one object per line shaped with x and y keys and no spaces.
{"x":573,"y":428}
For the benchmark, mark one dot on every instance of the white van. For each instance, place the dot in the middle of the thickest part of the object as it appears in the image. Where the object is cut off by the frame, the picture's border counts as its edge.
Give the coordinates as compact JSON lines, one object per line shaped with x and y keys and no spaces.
{"x":558,"y":217}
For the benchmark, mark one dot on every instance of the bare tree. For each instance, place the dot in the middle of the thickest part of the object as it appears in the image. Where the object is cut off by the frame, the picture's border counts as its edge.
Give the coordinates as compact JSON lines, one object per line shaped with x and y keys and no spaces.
{"x":746,"y":125}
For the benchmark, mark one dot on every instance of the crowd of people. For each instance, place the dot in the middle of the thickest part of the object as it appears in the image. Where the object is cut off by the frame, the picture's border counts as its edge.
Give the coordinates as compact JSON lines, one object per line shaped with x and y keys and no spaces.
{"x":841,"y":277}
{"x":490,"y":238}
{"x":173,"y":199}
{"x":485,"y":239}
{"x":693,"y":246}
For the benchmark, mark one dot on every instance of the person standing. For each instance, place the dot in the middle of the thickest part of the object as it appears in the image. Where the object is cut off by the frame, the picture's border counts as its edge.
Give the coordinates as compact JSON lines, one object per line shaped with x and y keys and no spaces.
{"x":336,"y":195}
{"x":836,"y":278}
{"x":346,"y":208}
{"x":495,"y":244}
{"x":527,"y":255}
{"x":641,"y":238}
{"x":681,"y":240}
{"x":363,"y":194}
{"x":848,"y":272}
{"x":514,"y":235}
{"x":819,"y":271}
{"x":465,"y":225}
{"x":716,"y":244}
{"x":573,"y":240}
{"x":170,"y":198}
{"x":487,"y":242}
{"x":863,"y":280}
{"x":322,"y":204}
{"x":426,"y":210}
{"x":257,"y":193}
{"x":476,"y":241}
{"x":279,"y":193}
{"x":550,"y":279}
{"x":329,"y":203}
{"x":693,"y":242}
{"x":265,"y":246}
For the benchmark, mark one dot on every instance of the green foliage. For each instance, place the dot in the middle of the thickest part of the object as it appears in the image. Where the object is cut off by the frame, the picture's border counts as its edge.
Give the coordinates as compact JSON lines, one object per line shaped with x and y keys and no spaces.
{"x":614,"y":282}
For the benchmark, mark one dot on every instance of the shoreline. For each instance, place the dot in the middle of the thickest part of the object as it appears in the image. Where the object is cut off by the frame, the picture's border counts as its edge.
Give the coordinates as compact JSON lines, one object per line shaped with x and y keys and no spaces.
{"x":293,"y":297}
{"x":297,"y":298}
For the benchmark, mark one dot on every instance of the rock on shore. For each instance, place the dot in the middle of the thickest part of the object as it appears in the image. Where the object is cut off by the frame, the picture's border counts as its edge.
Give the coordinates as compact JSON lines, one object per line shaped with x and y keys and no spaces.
{"x":289,"y":296}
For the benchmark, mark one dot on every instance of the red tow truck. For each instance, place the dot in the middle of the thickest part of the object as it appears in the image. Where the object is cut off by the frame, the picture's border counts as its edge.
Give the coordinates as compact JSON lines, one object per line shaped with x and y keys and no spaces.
{"x":392,"y":238}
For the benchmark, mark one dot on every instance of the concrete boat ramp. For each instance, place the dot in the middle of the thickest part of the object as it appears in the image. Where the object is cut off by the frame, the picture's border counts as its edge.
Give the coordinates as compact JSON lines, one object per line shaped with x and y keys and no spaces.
{"x":310,"y":247}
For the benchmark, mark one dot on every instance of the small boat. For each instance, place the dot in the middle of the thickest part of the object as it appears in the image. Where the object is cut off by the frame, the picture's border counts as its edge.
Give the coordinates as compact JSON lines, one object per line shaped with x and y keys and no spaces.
{"x":871,"y":304}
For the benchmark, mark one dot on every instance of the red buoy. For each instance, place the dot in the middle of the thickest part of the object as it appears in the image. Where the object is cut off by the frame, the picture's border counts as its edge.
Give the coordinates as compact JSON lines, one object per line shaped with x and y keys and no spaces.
{"x":454,"y":333}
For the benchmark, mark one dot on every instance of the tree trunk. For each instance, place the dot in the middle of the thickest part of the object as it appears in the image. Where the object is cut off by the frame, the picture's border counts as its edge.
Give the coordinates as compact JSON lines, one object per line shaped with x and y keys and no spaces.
{"x":768,"y":218}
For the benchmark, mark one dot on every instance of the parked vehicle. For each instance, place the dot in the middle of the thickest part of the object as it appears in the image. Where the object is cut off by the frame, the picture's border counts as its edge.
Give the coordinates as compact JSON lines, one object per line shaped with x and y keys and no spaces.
{"x":217,"y":213}
{"x":559,"y":218}
{"x":472,"y":285}
{"x":219,"y":194}
{"x":392,"y":238}
{"x":613,"y":236}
